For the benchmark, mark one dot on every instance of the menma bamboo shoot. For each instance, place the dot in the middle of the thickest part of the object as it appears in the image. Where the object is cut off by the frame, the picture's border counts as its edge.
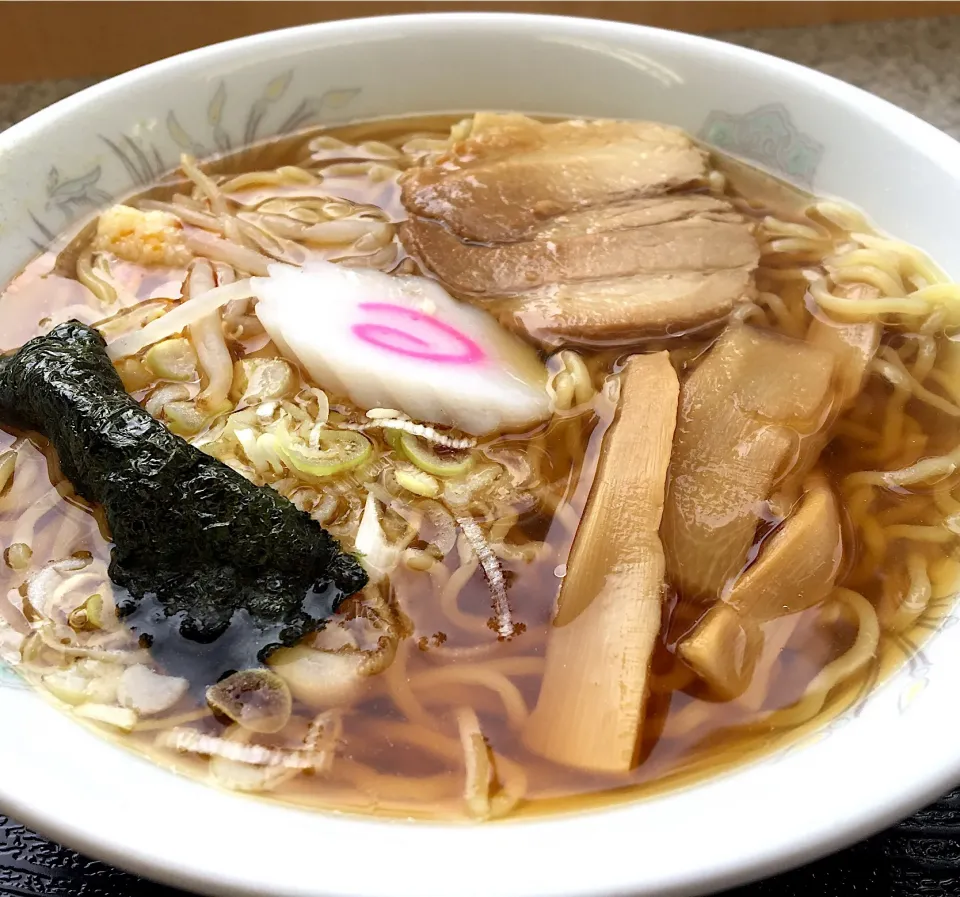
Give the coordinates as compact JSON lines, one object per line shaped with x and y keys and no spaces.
{"x":591,"y":705}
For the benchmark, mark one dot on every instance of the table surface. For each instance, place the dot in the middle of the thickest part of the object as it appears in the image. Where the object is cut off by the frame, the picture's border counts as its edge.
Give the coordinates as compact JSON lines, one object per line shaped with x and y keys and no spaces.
{"x":915,"y":64}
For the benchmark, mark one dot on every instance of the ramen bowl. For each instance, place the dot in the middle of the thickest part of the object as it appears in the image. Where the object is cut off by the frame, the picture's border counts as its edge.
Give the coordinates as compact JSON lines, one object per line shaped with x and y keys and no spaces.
{"x":885,"y":756}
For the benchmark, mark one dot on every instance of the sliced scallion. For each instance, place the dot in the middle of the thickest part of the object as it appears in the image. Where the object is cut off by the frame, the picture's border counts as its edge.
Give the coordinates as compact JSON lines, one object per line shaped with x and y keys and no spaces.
{"x":428,"y":459}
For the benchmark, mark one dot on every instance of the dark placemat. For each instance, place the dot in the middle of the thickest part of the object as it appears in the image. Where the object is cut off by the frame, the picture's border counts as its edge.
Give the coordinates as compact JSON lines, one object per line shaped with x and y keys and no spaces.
{"x":918,"y":858}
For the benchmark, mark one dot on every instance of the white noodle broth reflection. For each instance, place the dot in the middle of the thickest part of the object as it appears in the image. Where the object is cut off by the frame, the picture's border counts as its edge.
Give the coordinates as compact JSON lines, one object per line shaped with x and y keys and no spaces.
{"x":704,"y":500}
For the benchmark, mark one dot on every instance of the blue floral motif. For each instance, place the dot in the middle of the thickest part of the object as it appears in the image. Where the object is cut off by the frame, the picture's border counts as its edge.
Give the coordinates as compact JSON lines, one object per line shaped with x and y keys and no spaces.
{"x":142,"y":162}
{"x":72,"y":195}
{"x":768,"y":137}
{"x":308,"y":110}
{"x":9,"y":679}
{"x":145,"y":162}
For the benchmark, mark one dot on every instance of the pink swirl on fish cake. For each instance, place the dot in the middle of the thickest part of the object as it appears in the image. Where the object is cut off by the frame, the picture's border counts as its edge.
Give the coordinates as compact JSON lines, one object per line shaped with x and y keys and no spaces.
{"x":403,"y":342}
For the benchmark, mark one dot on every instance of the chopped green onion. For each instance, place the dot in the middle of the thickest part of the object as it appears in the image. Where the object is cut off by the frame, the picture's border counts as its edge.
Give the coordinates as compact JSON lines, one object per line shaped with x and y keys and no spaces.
{"x":87,"y":616}
{"x":184,"y":418}
{"x":18,"y":556}
{"x":147,"y":692}
{"x":262,"y":379}
{"x":173,"y":359}
{"x":31,"y":648}
{"x":429,"y":460}
{"x":119,"y":717}
{"x":417,"y":481}
{"x":337,"y":451}
{"x":8,"y":463}
{"x":258,"y":700}
{"x":67,"y":685}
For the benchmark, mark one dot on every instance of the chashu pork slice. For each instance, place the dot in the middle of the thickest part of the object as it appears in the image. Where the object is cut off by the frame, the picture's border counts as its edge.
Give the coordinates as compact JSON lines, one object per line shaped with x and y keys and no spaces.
{"x":623,"y":309}
{"x":511,"y":173}
{"x":580,"y":232}
{"x":609,"y":243}
{"x":649,"y":266}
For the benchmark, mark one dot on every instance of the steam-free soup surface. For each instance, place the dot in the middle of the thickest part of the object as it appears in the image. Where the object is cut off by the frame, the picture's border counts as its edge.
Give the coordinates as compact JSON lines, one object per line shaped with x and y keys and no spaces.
{"x":647,"y":458}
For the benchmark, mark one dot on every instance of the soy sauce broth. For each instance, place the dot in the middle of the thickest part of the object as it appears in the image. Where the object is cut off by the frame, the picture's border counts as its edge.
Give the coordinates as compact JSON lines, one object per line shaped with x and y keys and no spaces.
{"x":395,"y":757}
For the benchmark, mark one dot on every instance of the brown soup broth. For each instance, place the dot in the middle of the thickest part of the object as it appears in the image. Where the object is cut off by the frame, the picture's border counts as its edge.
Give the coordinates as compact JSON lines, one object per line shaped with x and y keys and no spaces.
{"x":386,"y":763}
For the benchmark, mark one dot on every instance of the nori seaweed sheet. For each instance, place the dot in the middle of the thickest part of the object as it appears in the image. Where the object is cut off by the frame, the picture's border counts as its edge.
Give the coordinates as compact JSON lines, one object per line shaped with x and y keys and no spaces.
{"x":217,"y":571}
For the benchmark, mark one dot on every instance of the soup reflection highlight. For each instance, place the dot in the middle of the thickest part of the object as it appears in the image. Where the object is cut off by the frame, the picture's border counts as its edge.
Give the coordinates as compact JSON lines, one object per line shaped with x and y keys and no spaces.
{"x":649,"y":461}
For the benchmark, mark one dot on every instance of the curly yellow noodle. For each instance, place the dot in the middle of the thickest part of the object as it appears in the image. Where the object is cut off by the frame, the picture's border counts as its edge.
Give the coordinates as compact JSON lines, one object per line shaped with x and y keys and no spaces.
{"x":926,"y":357}
{"x":888,"y":285}
{"x":748,"y":311}
{"x":841,"y":215}
{"x":26,"y":528}
{"x":779,"y":227}
{"x":398,"y":687}
{"x":936,"y":534}
{"x":91,"y":279}
{"x":794,"y":246}
{"x":927,"y":470}
{"x":528,"y":552}
{"x":913,"y":508}
{"x":914,"y":446}
{"x":67,"y":535}
{"x":791,"y":323}
{"x":516,"y":666}
{"x":395,"y":787}
{"x":902,"y":611}
{"x":874,"y":536}
{"x":284,"y":176}
{"x":501,"y":527}
{"x":485,"y":677}
{"x":865,"y":309}
{"x":893,"y":369}
{"x":684,"y":722}
{"x":782,"y":275}
{"x":945,"y":502}
{"x":944,"y":575}
{"x":893,"y":424}
{"x":947,"y":382}
{"x":857,"y":657}
{"x":389,"y":787}
{"x":889,"y":263}
{"x":26,"y":479}
{"x":450,"y":594}
{"x":918,"y":266}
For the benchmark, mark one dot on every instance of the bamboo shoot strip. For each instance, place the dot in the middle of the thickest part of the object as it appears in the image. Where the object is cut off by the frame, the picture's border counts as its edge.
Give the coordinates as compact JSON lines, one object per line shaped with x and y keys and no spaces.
{"x":591,"y":705}
{"x":737,"y":430}
{"x":796,"y":569}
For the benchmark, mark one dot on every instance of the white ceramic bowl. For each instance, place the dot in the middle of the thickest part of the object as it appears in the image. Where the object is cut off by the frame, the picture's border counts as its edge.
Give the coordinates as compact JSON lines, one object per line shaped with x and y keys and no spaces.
{"x":880,"y":762}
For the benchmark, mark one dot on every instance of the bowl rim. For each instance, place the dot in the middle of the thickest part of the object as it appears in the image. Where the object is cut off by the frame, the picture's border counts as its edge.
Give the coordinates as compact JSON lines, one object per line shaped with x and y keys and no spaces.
{"x":922,"y":783}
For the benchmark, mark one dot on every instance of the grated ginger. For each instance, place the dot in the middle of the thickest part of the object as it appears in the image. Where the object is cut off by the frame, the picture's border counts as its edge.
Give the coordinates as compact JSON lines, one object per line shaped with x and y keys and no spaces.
{"x":146,"y":238}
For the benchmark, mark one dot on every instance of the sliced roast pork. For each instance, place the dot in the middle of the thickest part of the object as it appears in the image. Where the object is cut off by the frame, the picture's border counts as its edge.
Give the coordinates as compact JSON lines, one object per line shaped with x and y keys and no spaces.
{"x":512,"y":173}
{"x":580,"y":231}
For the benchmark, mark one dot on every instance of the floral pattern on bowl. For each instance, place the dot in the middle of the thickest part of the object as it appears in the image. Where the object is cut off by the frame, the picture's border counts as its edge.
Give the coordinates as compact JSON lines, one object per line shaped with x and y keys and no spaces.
{"x":9,"y":679}
{"x":768,"y":137}
{"x":136,"y":160}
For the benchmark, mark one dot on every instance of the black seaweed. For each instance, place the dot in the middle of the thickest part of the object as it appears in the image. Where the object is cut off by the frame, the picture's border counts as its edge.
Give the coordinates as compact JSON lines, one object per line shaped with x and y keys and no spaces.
{"x":218,"y":571}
